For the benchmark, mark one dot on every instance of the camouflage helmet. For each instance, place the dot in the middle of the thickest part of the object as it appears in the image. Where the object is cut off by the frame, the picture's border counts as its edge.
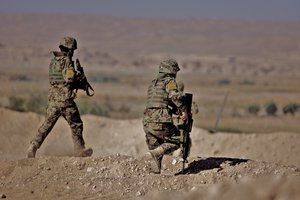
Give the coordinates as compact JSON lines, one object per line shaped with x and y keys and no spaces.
{"x":68,"y":42}
{"x":169,"y":66}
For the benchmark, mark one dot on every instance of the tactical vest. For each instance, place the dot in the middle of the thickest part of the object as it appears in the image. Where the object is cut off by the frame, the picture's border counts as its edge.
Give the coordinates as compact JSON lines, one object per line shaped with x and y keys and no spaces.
{"x":157,"y":95}
{"x":55,"y":72}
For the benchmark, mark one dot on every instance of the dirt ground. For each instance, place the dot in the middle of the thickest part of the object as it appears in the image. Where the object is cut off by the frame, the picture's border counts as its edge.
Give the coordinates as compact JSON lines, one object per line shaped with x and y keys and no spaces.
{"x":221,"y":165}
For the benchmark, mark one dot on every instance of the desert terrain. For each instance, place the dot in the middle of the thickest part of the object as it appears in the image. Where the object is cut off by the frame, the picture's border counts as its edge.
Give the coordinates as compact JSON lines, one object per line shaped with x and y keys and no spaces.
{"x":250,"y":157}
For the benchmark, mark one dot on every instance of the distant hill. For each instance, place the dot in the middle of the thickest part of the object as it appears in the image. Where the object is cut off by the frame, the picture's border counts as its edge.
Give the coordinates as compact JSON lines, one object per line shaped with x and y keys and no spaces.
{"x":27,"y":39}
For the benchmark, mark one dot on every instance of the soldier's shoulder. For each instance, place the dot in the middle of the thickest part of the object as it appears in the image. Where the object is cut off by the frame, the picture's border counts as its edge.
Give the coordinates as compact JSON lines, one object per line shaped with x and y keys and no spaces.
{"x":171,"y":84}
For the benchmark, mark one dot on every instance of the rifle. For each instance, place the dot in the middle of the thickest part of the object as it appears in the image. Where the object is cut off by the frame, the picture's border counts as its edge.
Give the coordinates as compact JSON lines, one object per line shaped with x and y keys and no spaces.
{"x":185,"y":140}
{"x":83,"y":82}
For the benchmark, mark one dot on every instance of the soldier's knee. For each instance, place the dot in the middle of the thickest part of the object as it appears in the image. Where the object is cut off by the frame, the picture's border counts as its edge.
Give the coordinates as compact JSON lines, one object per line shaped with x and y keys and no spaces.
{"x":153,"y":142}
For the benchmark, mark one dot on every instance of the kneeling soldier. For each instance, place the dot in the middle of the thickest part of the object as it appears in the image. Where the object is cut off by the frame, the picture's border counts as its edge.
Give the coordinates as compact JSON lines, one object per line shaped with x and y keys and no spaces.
{"x":163,"y":99}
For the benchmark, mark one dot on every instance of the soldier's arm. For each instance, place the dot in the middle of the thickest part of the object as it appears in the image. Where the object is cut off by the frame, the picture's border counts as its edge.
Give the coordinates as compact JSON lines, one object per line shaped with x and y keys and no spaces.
{"x":68,"y":71}
{"x":175,"y":96}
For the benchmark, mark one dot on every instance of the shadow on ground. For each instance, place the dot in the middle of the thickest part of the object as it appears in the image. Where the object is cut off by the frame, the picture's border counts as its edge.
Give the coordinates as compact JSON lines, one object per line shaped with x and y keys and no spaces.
{"x":197,"y":166}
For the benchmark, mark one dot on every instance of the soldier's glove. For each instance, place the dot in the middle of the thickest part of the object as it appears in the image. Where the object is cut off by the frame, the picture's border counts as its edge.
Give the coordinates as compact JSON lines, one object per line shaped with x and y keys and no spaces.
{"x":184,"y":116}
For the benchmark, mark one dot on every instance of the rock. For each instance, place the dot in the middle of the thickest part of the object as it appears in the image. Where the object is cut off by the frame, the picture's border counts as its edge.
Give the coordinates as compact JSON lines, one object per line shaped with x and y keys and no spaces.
{"x":174,"y":161}
{"x":141,"y":192}
{"x":138,"y":194}
{"x":215,"y":152}
{"x":3,"y":196}
{"x":89,"y":169}
{"x":194,"y":188}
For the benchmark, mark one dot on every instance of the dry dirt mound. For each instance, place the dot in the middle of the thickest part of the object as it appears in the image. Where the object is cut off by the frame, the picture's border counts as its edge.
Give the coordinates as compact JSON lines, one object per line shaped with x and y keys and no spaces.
{"x":109,"y":136}
{"x":117,"y":169}
{"x":126,"y":177}
{"x":105,"y":136}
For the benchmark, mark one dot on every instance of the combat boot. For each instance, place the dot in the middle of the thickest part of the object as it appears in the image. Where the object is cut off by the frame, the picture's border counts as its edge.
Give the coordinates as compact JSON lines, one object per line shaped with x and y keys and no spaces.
{"x":83,"y":152}
{"x":32,"y":151}
{"x":157,"y":156}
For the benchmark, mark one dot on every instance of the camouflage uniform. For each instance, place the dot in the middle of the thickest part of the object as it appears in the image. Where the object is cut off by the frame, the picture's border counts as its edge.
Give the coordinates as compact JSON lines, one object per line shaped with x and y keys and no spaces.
{"x":195,"y":108}
{"x":62,"y":78}
{"x":163,"y":98}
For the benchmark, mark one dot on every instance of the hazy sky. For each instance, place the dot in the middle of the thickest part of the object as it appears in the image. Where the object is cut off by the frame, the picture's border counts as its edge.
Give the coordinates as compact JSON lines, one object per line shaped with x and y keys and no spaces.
{"x":222,"y":9}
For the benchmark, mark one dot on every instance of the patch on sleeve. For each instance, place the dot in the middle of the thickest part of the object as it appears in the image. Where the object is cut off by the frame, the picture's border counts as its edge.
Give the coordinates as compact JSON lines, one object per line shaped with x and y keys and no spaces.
{"x":172,"y":85}
{"x":70,"y":73}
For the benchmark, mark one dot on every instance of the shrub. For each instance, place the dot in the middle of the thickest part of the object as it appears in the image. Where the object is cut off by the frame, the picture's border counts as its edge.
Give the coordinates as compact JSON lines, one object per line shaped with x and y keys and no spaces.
{"x":16,"y":103}
{"x":253,"y":109}
{"x":224,"y":82}
{"x":89,"y":107}
{"x":290,"y":108}
{"x":271,"y":108}
{"x":100,"y":78}
{"x":247,"y":82}
{"x":20,"y":77}
{"x":36,"y":103}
